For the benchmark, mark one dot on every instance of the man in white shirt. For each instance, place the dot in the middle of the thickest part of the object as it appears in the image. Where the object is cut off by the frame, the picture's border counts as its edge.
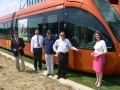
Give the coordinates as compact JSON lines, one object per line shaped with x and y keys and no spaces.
{"x":36,"y":49}
{"x":61,"y":47}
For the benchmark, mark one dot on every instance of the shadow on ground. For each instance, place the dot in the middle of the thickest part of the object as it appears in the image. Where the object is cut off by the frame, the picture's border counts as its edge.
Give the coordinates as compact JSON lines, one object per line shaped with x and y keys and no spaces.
{"x":1,"y":68}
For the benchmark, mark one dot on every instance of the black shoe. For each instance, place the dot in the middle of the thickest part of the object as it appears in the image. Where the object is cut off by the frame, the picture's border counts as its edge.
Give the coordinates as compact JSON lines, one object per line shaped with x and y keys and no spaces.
{"x":64,"y":77}
{"x":35,"y":69}
{"x":47,"y":74}
{"x":22,"y":70}
{"x":40,"y":69}
{"x":58,"y":77}
{"x":52,"y":75}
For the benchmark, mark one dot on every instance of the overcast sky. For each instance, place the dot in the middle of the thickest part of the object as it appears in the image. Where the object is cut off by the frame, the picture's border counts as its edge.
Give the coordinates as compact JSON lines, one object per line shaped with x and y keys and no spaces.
{"x":9,"y":6}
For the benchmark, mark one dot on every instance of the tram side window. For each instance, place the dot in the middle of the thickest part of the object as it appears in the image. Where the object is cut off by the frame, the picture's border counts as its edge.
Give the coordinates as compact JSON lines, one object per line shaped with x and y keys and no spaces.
{"x":22,"y":29}
{"x":35,"y":23}
{"x":5,"y":30}
{"x":8,"y":30}
{"x":52,"y":25}
{"x":1,"y":30}
{"x":83,"y":25}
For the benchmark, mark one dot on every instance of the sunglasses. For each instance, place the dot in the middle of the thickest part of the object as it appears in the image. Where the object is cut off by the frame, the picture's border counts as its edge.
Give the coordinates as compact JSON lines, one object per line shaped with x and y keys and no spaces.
{"x":62,"y":35}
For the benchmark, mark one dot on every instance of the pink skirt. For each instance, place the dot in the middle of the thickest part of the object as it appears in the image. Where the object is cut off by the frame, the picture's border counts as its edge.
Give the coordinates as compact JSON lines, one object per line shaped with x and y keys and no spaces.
{"x":98,"y":63}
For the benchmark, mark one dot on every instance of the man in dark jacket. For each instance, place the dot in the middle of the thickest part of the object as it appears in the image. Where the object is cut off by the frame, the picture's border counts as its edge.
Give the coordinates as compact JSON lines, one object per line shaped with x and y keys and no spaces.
{"x":17,"y":45}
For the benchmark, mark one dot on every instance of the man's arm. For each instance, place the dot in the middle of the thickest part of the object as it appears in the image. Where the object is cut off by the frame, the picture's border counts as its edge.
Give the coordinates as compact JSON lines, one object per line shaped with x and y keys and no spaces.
{"x":12,"y":45}
{"x":71,"y":47}
{"x":43,"y":45}
{"x":42,"y":40}
{"x":23,"y":45}
{"x":54,"y":46}
{"x":32,"y":45}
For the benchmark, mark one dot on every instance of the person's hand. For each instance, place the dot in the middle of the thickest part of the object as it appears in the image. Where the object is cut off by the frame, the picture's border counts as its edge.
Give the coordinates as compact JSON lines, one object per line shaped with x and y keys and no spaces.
{"x":15,"y":50}
{"x":20,"y":48}
{"x":96,"y":55}
{"x":32,"y":53}
{"x":92,"y":54}
{"x":42,"y":50}
{"x":77,"y":50}
{"x":57,"y":52}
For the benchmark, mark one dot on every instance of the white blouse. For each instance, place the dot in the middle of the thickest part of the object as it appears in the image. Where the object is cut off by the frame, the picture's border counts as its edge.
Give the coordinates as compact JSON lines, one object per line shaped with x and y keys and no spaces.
{"x":100,"y":46}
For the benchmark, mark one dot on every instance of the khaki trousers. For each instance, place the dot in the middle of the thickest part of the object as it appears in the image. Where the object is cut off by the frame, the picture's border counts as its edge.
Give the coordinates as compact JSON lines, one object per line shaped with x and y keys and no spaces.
{"x":22,"y":62}
{"x":49,"y":63}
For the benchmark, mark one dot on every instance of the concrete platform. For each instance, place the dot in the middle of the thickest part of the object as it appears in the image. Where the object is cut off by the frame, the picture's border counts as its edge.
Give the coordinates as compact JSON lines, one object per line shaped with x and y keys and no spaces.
{"x":75,"y":85}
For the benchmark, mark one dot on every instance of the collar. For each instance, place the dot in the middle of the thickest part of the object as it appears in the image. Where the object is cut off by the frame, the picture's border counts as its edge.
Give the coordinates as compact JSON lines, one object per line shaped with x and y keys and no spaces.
{"x":98,"y":41}
{"x":62,"y":40}
{"x":16,"y":38}
{"x":49,"y":38}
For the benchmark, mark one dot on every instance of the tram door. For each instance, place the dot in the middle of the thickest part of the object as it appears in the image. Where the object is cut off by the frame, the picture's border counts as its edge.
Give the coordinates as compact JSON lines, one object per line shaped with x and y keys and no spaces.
{"x":84,"y":37}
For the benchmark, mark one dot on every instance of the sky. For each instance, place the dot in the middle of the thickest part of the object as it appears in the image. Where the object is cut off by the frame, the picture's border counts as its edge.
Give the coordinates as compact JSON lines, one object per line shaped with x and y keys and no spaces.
{"x":9,"y":6}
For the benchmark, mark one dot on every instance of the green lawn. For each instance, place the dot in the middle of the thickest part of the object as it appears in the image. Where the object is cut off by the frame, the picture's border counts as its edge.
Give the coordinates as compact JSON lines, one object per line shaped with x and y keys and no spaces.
{"x":111,"y":82}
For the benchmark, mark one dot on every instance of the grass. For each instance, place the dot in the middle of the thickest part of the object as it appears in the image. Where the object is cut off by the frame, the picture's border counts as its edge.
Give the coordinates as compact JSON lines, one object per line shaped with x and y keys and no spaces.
{"x":1,"y":88}
{"x":111,"y":82}
{"x":28,"y":80}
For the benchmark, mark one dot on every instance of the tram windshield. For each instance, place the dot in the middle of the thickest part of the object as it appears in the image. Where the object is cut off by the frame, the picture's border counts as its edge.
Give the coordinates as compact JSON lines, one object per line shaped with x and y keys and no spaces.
{"x":110,"y":15}
{"x":81,"y":27}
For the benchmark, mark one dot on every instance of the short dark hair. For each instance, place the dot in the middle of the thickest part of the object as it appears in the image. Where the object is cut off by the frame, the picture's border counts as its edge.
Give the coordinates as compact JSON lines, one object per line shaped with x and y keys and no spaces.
{"x":15,"y":32}
{"x":99,"y":33}
{"x":62,"y":32}
{"x":36,"y":29}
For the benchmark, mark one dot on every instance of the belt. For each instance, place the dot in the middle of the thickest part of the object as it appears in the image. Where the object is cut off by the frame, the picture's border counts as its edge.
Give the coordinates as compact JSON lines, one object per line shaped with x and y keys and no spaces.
{"x":63,"y":52}
{"x":37,"y":47}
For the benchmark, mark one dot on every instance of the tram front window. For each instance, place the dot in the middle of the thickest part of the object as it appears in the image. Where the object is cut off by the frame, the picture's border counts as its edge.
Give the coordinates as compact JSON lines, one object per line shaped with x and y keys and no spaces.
{"x":82,"y":24}
{"x":110,"y":15}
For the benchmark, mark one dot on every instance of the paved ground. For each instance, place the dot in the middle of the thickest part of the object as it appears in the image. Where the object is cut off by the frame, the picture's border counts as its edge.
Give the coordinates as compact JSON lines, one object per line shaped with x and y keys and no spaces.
{"x":31,"y":80}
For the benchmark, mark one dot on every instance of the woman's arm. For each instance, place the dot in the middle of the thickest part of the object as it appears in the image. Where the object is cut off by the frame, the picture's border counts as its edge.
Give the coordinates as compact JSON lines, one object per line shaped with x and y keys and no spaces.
{"x":104,"y":48}
{"x":92,"y":53}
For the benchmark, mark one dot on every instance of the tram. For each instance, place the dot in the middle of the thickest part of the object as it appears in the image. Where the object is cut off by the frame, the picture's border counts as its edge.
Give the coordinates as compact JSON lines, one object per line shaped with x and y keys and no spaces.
{"x":117,"y":8}
{"x":79,"y":19}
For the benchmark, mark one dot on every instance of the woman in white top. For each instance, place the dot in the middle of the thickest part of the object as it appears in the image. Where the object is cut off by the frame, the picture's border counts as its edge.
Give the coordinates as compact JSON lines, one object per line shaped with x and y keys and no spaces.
{"x":99,"y":56}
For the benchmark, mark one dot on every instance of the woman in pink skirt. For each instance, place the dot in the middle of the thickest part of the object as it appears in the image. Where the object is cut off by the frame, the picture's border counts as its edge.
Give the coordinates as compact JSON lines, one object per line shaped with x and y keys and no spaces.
{"x":98,"y":54}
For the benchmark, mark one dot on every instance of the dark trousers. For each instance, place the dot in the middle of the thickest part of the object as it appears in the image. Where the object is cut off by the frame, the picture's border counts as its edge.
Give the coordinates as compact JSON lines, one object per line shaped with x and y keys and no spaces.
{"x":37,"y":57}
{"x":62,"y":64}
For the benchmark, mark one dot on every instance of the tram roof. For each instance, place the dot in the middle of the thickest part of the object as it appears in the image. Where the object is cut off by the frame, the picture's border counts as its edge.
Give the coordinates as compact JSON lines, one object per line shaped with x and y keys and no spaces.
{"x":41,"y":7}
